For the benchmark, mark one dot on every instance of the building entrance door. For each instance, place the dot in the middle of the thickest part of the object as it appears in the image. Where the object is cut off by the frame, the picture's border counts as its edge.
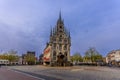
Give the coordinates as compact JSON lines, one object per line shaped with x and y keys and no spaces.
{"x":60,"y":59}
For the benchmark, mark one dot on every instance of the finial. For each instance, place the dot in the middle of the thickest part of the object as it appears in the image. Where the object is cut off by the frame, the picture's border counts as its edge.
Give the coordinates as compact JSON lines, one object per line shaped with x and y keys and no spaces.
{"x":60,"y":15}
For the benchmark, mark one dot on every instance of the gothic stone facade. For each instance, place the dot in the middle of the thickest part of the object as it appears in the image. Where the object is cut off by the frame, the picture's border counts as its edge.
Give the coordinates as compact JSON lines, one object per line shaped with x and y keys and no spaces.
{"x":60,"y":42}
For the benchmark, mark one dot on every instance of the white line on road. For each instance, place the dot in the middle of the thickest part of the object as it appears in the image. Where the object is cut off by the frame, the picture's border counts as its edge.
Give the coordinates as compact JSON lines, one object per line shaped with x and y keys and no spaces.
{"x":28,"y":75}
{"x":76,"y":70}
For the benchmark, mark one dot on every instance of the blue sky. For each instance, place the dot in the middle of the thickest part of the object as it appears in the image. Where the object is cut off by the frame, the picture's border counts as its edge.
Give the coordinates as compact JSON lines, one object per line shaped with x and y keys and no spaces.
{"x":25,"y":24}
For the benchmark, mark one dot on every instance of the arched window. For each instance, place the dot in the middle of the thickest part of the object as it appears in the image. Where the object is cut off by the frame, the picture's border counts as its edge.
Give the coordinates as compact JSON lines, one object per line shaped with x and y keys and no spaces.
{"x":60,"y":36}
{"x":65,"y":47}
{"x":54,"y":46}
{"x":60,"y":47}
{"x":65,"y":54}
{"x":60,"y":40}
{"x":54,"y":39}
{"x":54,"y":55}
{"x":65,"y":40}
{"x":60,"y":27}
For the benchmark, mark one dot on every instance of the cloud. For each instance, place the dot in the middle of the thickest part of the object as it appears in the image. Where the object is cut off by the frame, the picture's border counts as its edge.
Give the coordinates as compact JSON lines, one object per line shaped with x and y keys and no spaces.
{"x":98,"y":27}
{"x":25,"y":24}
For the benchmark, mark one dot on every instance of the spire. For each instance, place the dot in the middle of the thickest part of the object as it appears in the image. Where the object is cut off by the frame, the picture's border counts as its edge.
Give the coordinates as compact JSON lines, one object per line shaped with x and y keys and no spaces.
{"x":55,"y":29}
{"x":60,"y":16}
{"x":51,"y":32}
{"x":69,"y":34}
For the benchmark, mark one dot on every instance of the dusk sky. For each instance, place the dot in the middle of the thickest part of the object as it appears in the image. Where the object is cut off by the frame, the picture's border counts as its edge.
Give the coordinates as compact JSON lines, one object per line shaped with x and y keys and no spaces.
{"x":25,"y":24}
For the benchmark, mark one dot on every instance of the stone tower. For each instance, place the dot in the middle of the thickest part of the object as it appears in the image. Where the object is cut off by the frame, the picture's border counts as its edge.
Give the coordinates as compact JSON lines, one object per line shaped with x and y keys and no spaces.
{"x":60,"y":42}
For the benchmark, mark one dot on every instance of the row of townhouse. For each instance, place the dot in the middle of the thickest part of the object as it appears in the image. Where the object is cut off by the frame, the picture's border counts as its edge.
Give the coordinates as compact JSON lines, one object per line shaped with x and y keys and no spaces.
{"x":25,"y":59}
{"x":113,"y":58}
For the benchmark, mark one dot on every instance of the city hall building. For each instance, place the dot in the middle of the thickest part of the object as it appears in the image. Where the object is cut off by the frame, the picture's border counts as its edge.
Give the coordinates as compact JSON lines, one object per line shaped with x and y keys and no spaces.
{"x":57,"y":50}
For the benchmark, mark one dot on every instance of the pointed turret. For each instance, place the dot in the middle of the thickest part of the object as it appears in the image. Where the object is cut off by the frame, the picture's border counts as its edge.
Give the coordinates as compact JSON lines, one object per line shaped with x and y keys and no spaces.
{"x":69,"y":34}
{"x":60,"y":21}
{"x":60,"y":16}
{"x":51,"y":33}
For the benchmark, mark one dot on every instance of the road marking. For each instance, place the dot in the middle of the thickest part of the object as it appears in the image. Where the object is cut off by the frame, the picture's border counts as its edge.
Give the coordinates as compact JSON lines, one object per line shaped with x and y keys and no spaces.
{"x":29,"y":75}
{"x":76,"y":70}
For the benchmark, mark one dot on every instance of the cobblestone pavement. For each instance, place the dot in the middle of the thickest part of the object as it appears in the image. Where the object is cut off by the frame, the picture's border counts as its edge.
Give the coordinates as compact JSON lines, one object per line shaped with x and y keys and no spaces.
{"x":6,"y":74}
{"x":73,"y":73}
